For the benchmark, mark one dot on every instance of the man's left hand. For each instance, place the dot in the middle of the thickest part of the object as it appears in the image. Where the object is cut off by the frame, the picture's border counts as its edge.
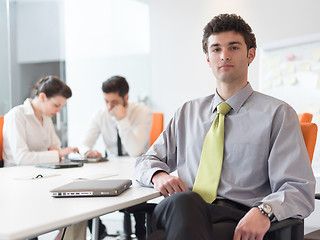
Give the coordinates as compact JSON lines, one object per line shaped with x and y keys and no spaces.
{"x":119,"y":112}
{"x":253,"y":225}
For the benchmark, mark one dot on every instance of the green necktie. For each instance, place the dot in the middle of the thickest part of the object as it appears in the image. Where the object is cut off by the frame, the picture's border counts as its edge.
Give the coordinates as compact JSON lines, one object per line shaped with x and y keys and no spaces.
{"x":208,"y":176}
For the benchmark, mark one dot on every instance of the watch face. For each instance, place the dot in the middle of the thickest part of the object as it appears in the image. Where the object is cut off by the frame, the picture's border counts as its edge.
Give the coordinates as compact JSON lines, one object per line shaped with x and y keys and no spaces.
{"x":267,"y":208}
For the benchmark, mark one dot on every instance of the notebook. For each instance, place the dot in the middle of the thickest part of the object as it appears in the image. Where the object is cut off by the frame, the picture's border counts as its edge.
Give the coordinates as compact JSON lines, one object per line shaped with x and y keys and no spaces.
{"x":59,"y":165}
{"x":92,"y":188}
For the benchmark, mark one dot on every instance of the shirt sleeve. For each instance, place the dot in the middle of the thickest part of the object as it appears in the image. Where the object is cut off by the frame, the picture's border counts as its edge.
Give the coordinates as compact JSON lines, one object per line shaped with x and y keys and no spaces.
{"x":160,"y":157}
{"x":290,"y":174}
{"x":135,"y":136}
{"x":16,"y":138}
{"x":92,"y":134}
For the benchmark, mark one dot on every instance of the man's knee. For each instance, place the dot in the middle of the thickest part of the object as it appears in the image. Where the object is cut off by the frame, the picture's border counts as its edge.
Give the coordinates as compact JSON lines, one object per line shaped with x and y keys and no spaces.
{"x":181,"y":200}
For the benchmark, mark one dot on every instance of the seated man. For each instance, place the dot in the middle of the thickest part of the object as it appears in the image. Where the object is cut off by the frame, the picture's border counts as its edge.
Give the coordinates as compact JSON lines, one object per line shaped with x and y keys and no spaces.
{"x":241,"y":153}
{"x":125,"y":129}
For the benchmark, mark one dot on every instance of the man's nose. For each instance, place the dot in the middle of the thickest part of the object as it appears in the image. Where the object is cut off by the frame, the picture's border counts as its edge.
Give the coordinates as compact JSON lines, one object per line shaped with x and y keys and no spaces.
{"x":110,"y":106}
{"x":225,"y":55}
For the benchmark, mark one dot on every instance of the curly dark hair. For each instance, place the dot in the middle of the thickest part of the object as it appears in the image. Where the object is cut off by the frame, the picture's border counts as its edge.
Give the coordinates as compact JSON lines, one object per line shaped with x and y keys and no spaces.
{"x":225,"y":23}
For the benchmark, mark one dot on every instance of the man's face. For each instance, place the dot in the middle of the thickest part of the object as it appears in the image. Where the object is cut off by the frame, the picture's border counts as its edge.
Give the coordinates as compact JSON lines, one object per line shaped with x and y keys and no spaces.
{"x":114,"y":99}
{"x":228,"y":57}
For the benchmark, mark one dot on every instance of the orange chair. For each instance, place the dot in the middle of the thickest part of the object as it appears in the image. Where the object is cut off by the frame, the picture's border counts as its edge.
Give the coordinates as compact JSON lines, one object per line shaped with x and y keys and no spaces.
{"x":1,"y":139}
{"x":156,"y":127}
{"x":146,"y":208}
{"x":305,"y":117}
{"x":292,"y":228}
{"x":309,"y":131}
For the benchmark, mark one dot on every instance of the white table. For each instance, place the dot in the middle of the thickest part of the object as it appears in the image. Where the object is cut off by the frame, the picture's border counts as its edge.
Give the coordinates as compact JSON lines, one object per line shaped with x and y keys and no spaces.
{"x":27,"y":208}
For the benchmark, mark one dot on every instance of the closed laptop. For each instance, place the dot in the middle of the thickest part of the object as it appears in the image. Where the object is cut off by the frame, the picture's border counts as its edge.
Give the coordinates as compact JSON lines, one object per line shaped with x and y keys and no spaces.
{"x":92,"y":188}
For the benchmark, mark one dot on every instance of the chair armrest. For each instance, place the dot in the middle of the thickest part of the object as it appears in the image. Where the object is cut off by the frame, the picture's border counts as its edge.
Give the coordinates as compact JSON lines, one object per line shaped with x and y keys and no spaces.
{"x":317,"y":196}
{"x":290,"y":222}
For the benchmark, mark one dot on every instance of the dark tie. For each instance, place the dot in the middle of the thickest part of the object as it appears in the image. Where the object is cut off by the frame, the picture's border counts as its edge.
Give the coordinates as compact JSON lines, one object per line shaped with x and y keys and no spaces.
{"x":119,"y":144}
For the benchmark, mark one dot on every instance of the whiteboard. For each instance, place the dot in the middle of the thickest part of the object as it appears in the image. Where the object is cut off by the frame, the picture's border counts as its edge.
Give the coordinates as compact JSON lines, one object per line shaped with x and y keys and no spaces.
{"x":290,"y":71}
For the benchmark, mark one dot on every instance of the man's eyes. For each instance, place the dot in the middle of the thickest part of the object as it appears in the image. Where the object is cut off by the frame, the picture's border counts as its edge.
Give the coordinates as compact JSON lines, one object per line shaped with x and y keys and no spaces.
{"x":219,"y":49}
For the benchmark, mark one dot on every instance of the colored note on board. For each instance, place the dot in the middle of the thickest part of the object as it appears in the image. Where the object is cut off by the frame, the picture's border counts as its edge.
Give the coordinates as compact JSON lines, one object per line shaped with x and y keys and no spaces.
{"x":316,"y":54}
{"x":277,"y":82}
{"x":291,"y":68}
{"x":293,"y":80}
{"x":318,"y":81}
{"x":305,"y":67}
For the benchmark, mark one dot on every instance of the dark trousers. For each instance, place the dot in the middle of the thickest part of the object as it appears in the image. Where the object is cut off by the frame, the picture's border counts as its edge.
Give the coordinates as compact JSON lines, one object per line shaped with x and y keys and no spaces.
{"x":187,"y":216}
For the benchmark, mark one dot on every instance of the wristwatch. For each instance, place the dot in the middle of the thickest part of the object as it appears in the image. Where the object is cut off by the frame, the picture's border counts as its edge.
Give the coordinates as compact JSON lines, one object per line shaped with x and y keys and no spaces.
{"x":266,"y":210}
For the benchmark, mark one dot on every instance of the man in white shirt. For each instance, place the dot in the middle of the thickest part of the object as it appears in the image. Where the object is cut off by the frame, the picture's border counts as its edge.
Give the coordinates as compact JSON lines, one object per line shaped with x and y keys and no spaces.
{"x":125,"y":129}
{"x":132,"y":121}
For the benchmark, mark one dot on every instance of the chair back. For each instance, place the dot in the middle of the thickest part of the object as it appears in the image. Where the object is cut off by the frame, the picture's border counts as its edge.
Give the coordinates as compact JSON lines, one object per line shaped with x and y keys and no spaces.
{"x":1,"y":139}
{"x":305,"y":117}
{"x":309,"y":131}
{"x":156,"y":127}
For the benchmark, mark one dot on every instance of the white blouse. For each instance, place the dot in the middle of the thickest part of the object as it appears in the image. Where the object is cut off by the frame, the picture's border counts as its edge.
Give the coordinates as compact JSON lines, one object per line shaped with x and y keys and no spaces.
{"x":25,"y":140}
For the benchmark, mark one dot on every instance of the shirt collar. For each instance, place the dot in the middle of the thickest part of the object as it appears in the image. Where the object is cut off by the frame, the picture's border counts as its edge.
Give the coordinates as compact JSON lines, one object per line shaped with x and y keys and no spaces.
{"x":28,"y":107}
{"x":236,"y":101}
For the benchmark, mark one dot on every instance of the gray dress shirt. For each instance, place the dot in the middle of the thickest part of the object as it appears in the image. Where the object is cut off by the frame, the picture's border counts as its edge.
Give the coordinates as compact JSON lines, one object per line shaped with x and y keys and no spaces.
{"x":265,"y":158}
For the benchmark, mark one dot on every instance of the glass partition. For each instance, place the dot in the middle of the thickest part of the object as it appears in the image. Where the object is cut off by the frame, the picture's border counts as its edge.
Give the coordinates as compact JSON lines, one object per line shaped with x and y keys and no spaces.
{"x":5,"y":96}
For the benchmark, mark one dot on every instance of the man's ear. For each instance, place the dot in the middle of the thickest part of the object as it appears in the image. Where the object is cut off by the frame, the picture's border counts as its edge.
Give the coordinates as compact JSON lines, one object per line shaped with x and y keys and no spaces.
{"x":208,"y":60}
{"x":126,"y":98}
{"x":251,"y":55}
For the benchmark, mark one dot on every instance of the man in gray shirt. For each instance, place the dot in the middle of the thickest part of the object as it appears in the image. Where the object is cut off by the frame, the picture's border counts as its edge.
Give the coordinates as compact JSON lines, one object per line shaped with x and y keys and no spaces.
{"x":266,"y":172}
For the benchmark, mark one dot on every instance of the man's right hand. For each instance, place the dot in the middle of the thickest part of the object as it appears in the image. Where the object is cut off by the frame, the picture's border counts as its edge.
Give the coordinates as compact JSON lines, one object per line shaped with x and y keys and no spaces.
{"x":167,"y":184}
{"x":93,"y":154}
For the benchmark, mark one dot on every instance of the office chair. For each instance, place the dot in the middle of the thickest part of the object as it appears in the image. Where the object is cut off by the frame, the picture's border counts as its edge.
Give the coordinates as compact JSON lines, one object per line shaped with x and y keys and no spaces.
{"x":1,"y":139}
{"x":145,"y":208}
{"x":294,"y":228}
{"x":156,"y":127}
{"x":305,"y":117}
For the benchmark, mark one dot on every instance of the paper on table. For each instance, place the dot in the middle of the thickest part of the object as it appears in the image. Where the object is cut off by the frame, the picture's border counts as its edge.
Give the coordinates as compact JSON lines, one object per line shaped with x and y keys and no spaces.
{"x":34,"y":177}
{"x":97,"y":176}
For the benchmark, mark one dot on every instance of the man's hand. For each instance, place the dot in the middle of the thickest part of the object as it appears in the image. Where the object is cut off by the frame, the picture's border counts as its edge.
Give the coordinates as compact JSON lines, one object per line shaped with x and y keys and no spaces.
{"x":119,"y":112}
{"x":93,"y":154}
{"x":168,"y":184}
{"x":65,"y":151}
{"x":253,"y":225}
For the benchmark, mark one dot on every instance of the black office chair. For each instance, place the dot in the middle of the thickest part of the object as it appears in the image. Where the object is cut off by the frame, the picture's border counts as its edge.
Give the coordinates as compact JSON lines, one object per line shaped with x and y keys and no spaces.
{"x":146,"y":208}
{"x":315,"y":235}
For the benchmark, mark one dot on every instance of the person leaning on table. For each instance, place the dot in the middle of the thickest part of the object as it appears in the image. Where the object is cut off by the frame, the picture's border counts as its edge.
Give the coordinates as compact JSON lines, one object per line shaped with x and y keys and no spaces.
{"x":265,"y":172}
{"x":125,"y":128}
{"x":28,"y":132}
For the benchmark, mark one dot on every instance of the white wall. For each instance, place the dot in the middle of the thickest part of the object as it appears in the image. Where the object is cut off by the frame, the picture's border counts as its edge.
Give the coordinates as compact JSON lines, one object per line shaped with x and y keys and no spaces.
{"x":104,"y":38}
{"x":179,"y":70}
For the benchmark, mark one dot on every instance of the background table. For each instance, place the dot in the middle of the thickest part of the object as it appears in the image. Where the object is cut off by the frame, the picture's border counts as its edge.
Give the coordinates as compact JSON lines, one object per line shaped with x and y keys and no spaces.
{"x":27,"y":208}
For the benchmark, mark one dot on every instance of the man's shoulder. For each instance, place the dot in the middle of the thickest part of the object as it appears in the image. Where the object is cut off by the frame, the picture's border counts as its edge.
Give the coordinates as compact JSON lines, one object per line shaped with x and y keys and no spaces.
{"x":207,"y":100}
{"x":139,"y":107}
{"x":267,"y":99}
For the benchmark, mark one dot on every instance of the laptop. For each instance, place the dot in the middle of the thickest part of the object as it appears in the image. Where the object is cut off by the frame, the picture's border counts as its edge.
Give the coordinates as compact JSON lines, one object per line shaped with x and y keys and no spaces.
{"x":92,"y":188}
{"x":60,"y":165}
{"x":76,"y":157}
